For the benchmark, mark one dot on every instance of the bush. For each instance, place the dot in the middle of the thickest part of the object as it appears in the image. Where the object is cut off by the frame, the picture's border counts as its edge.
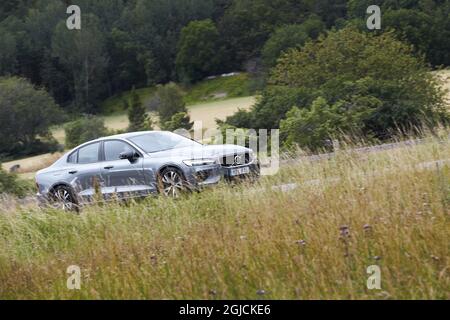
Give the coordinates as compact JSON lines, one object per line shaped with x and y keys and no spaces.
{"x":26,"y":114}
{"x":313,"y":128}
{"x":170,"y":101}
{"x":363,"y":70}
{"x":9,"y":183}
{"x":235,"y":135}
{"x":180,"y":120}
{"x":270,"y":108}
{"x":366,"y":82}
{"x":137,"y":115}
{"x":83,"y":130}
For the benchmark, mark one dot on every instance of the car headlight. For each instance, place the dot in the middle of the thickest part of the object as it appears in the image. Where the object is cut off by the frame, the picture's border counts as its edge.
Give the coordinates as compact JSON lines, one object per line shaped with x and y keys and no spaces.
{"x":199,"y":162}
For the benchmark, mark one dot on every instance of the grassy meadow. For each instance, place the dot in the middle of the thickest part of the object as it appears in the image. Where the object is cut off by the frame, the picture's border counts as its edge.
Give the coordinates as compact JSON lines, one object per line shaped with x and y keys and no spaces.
{"x":314,"y":241}
{"x":208,"y":90}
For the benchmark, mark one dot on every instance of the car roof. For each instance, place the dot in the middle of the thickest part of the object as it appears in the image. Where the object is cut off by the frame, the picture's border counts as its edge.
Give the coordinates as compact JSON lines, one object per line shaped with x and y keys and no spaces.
{"x":124,"y":135}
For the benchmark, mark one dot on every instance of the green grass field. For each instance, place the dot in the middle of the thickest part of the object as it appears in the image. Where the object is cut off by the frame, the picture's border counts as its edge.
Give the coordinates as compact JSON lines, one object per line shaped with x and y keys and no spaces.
{"x":206,"y":112}
{"x":217,"y":89}
{"x":250,"y":241}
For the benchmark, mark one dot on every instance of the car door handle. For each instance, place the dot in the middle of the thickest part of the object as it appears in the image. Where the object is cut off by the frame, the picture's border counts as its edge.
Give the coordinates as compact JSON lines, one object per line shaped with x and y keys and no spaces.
{"x":73,"y":172}
{"x":109,"y":167}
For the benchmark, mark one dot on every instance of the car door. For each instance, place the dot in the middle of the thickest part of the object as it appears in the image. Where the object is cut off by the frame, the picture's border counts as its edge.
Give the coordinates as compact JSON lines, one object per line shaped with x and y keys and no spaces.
{"x":86,"y":171}
{"x":122,"y":176}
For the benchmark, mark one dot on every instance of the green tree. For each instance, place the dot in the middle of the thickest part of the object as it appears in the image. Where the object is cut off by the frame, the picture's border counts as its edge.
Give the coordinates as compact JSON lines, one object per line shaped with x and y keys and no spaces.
{"x":82,"y":52}
{"x":290,"y":36}
{"x":26,"y":114}
{"x":170,"y":101}
{"x":198,"y":51}
{"x":425,"y":24}
{"x":314,"y":127}
{"x":246,"y":25}
{"x":8,"y":53}
{"x":137,"y":114}
{"x":271,"y":107}
{"x":154,"y":30}
{"x":83,"y":130}
{"x":180,"y":120}
{"x":351,"y":66}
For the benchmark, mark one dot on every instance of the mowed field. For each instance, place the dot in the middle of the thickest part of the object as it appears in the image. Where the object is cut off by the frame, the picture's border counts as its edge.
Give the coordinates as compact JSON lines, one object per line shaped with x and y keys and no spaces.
{"x":251,"y":241}
{"x":206,"y":112}
{"x":444,"y":75}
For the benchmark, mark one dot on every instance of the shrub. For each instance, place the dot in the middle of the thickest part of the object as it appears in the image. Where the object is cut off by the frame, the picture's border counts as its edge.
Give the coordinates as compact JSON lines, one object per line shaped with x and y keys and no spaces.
{"x":363,"y":70}
{"x":314,"y":127}
{"x":9,"y":183}
{"x":270,"y":108}
{"x":26,"y":114}
{"x":170,"y":101}
{"x":83,"y":130}
{"x":180,"y":120}
{"x":137,"y":115}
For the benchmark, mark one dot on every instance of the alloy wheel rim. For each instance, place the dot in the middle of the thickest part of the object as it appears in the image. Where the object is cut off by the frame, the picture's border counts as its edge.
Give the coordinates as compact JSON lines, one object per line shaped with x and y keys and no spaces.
{"x":63,"y":199}
{"x":173,"y":184}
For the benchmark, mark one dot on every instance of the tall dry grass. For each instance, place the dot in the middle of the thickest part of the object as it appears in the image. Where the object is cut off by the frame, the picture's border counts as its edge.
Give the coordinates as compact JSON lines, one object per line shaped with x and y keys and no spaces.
{"x":312,"y":240}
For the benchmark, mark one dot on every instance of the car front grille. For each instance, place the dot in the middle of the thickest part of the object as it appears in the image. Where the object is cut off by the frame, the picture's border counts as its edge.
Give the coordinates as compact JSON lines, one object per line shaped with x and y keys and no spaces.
{"x":235,"y":160}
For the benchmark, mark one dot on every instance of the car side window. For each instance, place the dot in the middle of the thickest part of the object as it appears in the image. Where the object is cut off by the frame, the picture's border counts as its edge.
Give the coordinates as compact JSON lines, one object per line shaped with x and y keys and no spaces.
{"x":72,"y":158}
{"x":114,"y":148}
{"x":89,"y":153}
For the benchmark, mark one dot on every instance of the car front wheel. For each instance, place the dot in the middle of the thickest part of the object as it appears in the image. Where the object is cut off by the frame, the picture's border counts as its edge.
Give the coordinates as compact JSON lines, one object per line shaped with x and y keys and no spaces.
{"x":62,"y":198}
{"x":172,"y":183}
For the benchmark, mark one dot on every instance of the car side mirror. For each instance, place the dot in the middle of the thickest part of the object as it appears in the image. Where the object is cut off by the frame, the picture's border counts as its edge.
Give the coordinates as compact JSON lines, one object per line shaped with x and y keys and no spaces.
{"x":129,"y":155}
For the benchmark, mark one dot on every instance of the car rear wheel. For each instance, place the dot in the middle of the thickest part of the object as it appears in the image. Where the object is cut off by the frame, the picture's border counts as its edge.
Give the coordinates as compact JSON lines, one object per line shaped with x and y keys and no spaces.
{"x":62,"y":198}
{"x":172,"y":183}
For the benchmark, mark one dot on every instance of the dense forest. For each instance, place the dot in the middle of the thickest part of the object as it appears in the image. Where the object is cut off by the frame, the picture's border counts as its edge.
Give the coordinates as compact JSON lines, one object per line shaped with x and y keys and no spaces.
{"x":125,"y":44}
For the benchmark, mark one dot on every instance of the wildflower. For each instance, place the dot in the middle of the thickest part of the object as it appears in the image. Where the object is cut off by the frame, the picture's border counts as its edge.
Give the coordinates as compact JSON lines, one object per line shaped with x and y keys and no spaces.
{"x":261,"y":292}
{"x":154,"y":259}
{"x":213,"y":292}
{"x":435,"y":258}
{"x":345,"y":231}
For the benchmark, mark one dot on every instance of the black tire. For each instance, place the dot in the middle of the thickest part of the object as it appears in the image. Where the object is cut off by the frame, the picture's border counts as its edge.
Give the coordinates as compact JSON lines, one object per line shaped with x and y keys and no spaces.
{"x":171,"y":183}
{"x":62,"y":197}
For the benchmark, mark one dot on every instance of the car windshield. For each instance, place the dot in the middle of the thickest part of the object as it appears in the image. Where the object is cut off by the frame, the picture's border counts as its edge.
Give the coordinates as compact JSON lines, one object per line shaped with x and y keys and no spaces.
{"x":161,"y":141}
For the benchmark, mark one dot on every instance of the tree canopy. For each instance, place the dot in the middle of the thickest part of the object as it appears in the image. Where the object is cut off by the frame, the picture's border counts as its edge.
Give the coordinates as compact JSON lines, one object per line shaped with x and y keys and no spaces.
{"x":26,"y":114}
{"x":198,"y":51}
{"x":125,"y":44}
{"x":348,"y":82}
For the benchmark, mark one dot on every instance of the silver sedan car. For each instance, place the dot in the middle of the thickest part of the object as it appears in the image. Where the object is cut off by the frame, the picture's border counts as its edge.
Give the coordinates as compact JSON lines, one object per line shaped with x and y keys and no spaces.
{"x":139,"y":164}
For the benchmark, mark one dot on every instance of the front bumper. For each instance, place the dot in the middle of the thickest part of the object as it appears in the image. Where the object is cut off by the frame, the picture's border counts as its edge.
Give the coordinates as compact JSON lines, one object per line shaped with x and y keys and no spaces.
{"x":254,"y":167}
{"x":204,"y":175}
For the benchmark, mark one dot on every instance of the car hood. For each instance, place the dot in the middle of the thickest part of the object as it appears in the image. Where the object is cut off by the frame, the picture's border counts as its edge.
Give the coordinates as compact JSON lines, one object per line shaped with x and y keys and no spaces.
{"x":201,"y":151}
